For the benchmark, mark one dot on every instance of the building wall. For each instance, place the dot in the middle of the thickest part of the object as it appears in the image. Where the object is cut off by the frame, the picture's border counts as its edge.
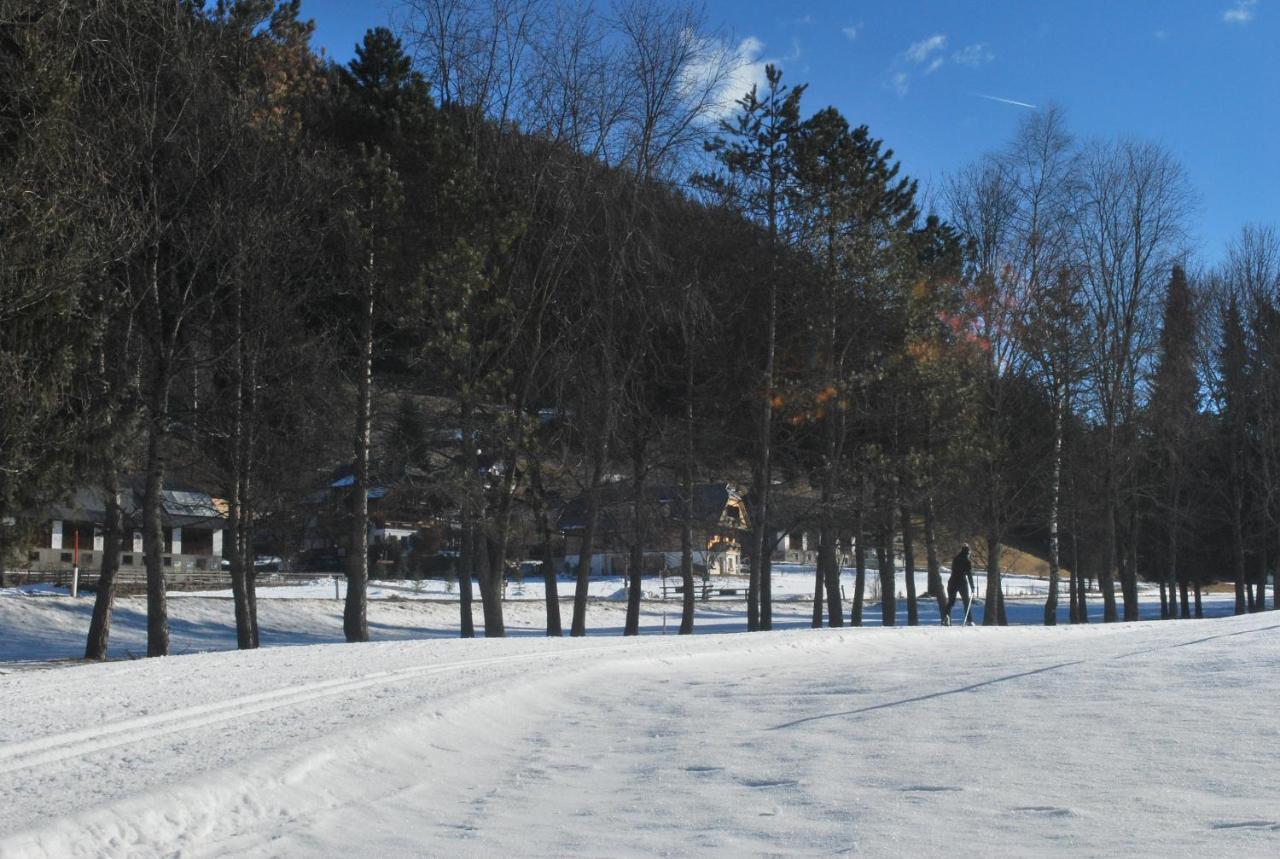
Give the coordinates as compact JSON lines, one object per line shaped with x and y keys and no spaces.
{"x":727,"y":562}
{"x":197,"y":550}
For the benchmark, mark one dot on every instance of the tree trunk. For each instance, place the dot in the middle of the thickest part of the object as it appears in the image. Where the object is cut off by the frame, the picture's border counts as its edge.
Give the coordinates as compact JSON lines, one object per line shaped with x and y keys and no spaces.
{"x":1073,"y":603}
{"x":252,"y":587}
{"x":490,"y":594}
{"x":1131,"y":611}
{"x":502,"y":543}
{"x":355,"y":622}
{"x":859,"y":581}
{"x":991,"y":608}
{"x":494,"y":576}
{"x":104,"y":596}
{"x":936,"y":589}
{"x":489,"y":578}
{"x":828,"y":577}
{"x":757,"y":601}
{"x":1171,"y":571}
{"x":1237,"y":543}
{"x":686,"y":553}
{"x":579,"y":625}
{"x":550,"y":583}
{"x":1105,"y":580}
{"x":859,"y":555}
{"x":909,"y":565}
{"x":637,"y":545}
{"x":1055,"y":493}
{"x":239,"y":575}
{"x":1260,"y":602}
{"x":1199,"y":604}
{"x":247,"y":523}
{"x":153,"y":536}
{"x":888,"y":588}
{"x":1082,"y":609}
{"x":1186,"y":606}
{"x":831,"y":576}
{"x":766,"y":593}
{"x":466,"y":571}
{"x":499,"y":546}
{"x":235,"y":527}
{"x":819,"y":582}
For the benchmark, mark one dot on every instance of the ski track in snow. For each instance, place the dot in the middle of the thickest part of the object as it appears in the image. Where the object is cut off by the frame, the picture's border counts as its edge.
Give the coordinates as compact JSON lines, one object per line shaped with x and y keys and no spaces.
{"x":1144,"y":739}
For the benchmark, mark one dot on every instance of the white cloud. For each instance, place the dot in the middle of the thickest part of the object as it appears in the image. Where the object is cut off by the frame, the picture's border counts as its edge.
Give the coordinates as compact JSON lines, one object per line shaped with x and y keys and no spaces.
{"x":1241,"y":13}
{"x":927,"y":53}
{"x":927,"y":56}
{"x":851,"y":32}
{"x":920,"y":51}
{"x":973,"y":55}
{"x":747,"y":63}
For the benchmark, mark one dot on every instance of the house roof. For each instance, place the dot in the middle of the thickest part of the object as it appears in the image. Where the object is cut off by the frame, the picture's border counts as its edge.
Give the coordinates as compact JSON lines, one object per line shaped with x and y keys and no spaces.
{"x":180,"y":506}
{"x":710,"y":505}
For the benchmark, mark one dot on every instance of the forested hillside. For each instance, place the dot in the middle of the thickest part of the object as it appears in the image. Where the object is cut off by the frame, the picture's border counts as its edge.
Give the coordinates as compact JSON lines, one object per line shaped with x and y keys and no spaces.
{"x":524,"y":250}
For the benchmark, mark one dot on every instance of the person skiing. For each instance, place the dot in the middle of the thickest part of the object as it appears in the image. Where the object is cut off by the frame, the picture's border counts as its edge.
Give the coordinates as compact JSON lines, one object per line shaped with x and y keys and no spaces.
{"x":961,"y":582}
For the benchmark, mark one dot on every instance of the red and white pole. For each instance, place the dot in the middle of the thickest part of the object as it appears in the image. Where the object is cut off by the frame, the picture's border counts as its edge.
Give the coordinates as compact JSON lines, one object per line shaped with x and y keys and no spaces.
{"x":75,"y":566}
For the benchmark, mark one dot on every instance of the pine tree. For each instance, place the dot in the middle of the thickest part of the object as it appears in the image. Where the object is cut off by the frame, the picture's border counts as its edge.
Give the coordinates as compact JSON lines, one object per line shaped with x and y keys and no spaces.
{"x":755,"y":151}
{"x":1172,"y":409}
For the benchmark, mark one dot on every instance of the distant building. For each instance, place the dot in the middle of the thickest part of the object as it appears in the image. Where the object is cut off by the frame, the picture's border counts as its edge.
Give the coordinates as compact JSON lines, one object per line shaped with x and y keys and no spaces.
{"x":413,"y":525}
{"x":719,"y":525}
{"x":193,"y":523}
{"x":794,"y":531}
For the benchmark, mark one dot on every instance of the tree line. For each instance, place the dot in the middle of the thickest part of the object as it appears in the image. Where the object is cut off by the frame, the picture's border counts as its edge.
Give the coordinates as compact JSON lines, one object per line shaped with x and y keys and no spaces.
{"x":225,"y":256}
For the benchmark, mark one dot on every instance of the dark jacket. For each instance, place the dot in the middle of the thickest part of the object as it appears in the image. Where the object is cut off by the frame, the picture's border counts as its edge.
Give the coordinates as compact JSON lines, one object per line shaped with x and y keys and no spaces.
{"x":960,"y":565}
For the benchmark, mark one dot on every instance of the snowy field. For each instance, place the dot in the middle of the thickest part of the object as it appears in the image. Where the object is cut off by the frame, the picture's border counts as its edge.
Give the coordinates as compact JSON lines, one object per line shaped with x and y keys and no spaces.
{"x":42,"y":623}
{"x":1149,"y":739}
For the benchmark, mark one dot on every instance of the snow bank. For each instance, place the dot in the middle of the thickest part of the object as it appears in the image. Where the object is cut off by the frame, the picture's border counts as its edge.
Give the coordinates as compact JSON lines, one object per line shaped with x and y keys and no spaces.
{"x":1138,"y":739}
{"x":39,"y":625}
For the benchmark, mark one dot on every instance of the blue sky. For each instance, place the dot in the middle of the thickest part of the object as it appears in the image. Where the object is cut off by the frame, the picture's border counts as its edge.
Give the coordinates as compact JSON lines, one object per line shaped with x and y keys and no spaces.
{"x":1199,"y":76}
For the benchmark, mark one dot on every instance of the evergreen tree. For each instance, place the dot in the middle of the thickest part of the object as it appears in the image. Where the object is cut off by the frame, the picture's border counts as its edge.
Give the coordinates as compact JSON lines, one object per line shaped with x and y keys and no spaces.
{"x":755,"y":151}
{"x":1172,"y":409}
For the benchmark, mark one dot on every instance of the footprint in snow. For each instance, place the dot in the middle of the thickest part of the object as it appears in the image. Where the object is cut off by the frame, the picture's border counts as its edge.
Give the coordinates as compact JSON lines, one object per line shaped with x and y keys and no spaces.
{"x":766,"y":783}
{"x":1045,"y":810}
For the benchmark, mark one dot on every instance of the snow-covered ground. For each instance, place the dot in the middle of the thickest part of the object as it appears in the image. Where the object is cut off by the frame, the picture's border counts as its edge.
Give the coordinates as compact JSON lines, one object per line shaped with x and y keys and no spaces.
{"x":42,"y":623}
{"x":1147,"y":739}
{"x":790,"y":581}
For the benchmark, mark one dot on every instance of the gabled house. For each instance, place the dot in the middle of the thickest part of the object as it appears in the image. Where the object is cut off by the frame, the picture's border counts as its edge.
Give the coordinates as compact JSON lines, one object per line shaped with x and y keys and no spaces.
{"x":719,"y":518}
{"x":793,"y":535}
{"x":408,"y":515}
{"x":72,"y":533}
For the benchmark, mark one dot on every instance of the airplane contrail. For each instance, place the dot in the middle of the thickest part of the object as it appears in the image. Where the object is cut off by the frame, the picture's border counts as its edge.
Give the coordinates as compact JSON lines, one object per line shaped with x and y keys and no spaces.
{"x":1005,"y":100}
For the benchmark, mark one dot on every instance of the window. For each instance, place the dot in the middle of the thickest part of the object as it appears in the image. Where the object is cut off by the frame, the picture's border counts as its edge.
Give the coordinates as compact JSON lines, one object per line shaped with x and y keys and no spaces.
{"x":126,"y":560}
{"x":66,"y":557}
{"x":168,"y":562}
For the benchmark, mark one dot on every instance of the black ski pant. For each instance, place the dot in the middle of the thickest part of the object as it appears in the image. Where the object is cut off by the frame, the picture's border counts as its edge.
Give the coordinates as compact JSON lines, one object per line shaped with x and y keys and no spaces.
{"x":958,"y":585}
